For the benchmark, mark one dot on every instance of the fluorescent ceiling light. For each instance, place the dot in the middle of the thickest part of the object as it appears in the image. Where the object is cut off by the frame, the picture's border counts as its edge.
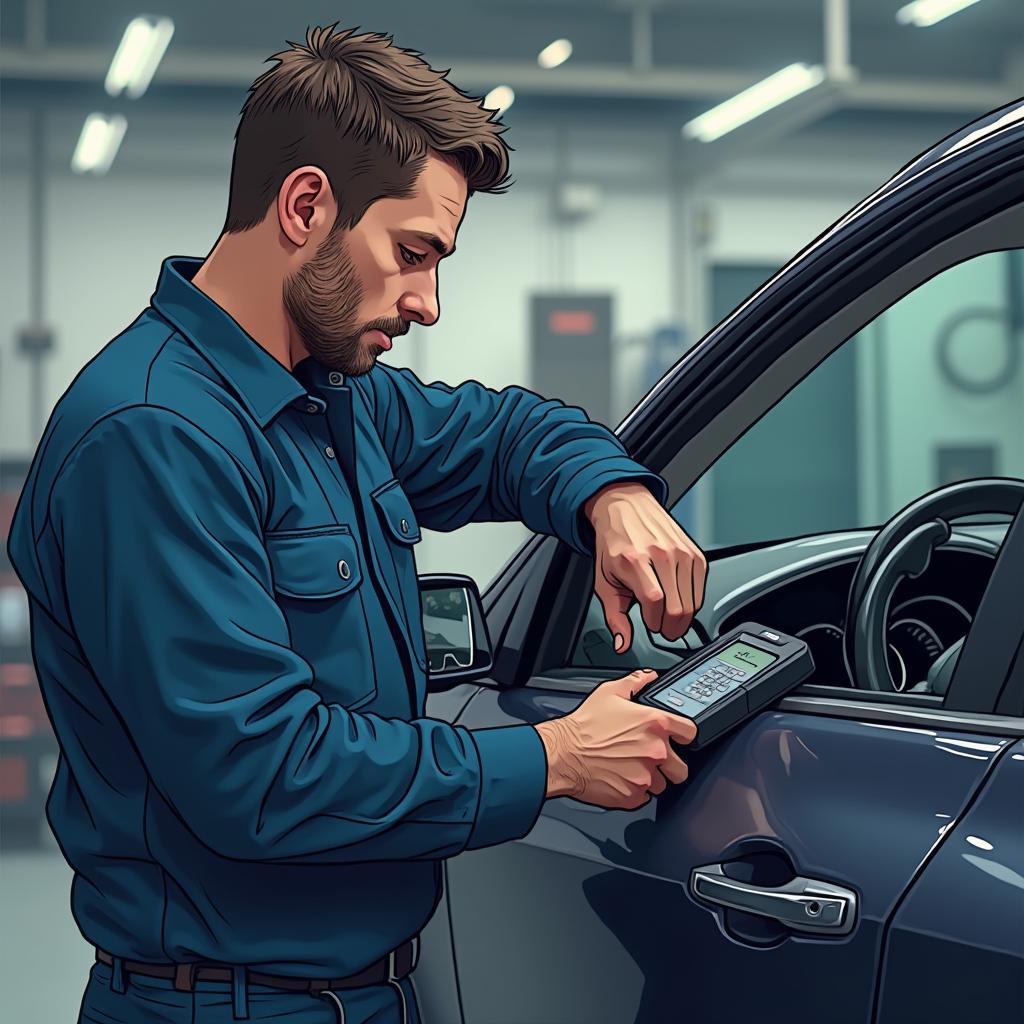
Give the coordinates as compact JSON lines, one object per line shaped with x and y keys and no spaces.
{"x":500,"y":98}
{"x":97,"y":145}
{"x":923,"y":13}
{"x":752,"y":102}
{"x":142,"y":46}
{"x":556,"y":53}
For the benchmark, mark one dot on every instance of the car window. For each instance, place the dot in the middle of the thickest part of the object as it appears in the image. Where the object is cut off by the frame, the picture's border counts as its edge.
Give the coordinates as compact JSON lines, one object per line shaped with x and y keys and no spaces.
{"x":929,"y":393}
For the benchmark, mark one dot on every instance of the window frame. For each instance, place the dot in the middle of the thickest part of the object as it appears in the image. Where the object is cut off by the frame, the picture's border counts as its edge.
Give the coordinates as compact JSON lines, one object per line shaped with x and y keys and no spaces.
{"x":953,"y":211}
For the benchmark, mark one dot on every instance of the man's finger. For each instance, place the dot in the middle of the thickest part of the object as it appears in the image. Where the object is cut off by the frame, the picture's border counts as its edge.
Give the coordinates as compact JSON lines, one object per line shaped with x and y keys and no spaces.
{"x":615,"y":602}
{"x":658,"y":783}
{"x":640,"y":577}
{"x":678,"y":599}
{"x":700,"y":575}
{"x":673,"y":570}
{"x":674,"y":768}
{"x":682,"y":730}
{"x":629,"y":686}
{"x":686,"y":583}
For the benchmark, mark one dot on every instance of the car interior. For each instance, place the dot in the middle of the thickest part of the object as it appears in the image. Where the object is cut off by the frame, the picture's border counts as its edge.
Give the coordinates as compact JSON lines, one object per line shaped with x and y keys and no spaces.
{"x":802,"y":588}
{"x":884,"y":590}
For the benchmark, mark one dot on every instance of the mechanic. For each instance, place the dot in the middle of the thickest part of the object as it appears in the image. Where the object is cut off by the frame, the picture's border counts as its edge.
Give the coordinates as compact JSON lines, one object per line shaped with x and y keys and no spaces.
{"x":217,"y":539}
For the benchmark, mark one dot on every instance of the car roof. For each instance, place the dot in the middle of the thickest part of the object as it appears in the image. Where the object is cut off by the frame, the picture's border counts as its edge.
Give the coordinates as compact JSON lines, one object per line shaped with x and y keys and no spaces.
{"x":984,"y":129}
{"x":964,"y":144}
{"x":973,"y":142}
{"x":961,"y":146}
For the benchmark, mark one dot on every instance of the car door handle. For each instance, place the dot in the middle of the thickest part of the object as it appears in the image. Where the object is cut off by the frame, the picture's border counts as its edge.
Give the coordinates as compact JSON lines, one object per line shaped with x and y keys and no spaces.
{"x":803,"y":904}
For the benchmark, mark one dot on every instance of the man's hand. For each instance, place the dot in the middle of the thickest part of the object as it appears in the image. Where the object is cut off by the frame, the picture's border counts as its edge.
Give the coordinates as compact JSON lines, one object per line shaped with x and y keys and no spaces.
{"x":613,"y":752}
{"x":641,"y":552}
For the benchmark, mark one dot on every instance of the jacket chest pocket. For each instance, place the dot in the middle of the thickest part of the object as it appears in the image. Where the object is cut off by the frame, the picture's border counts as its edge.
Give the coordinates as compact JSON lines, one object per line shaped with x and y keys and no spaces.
{"x":318,"y":576}
{"x":403,"y":532}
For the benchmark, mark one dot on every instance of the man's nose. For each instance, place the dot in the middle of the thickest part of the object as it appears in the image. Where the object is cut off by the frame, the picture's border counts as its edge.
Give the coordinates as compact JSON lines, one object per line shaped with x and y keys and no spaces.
{"x":420,"y":305}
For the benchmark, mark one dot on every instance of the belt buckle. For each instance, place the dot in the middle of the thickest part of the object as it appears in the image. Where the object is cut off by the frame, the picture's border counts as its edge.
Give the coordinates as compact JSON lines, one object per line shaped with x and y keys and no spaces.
{"x":392,"y":966}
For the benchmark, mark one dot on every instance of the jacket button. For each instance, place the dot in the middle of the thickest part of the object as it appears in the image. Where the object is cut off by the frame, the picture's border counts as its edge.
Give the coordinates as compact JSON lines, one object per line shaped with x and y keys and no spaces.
{"x":335,"y":378}
{"x":310,"y":407}
{"x":329,"y":452}
{"x":343,"y":570}
{"x":405,"y":525}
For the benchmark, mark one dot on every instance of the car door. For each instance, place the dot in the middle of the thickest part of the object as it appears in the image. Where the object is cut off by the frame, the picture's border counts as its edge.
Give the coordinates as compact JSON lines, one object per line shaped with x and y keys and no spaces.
{"x":954,"y":948}
{"x":593,"y":916}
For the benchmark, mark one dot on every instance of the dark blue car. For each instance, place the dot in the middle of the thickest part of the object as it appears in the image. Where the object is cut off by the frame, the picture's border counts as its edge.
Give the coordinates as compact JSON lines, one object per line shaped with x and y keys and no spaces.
{"x":879,"y":372}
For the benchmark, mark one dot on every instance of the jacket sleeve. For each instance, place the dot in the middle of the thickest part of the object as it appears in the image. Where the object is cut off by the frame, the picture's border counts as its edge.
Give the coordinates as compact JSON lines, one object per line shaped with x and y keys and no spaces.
{"x":169,"y":591}
{"x":470,"y":454}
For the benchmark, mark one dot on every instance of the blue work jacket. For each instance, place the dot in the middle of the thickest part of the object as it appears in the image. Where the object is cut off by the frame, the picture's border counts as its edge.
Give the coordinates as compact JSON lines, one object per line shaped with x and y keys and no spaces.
{"x":220,"y":561}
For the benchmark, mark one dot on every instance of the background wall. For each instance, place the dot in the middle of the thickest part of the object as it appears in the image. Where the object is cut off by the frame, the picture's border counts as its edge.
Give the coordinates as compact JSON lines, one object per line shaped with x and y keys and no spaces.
{"x":656,"y":233}
{"x":973,"y":303}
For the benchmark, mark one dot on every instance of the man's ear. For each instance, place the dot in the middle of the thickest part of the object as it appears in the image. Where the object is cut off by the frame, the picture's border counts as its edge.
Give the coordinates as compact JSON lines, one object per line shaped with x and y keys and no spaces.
{"x":305,"y":205}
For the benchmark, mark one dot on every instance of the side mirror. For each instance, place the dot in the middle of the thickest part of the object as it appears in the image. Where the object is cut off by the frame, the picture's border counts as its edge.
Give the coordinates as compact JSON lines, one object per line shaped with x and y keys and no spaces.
{"x":458,"y":645}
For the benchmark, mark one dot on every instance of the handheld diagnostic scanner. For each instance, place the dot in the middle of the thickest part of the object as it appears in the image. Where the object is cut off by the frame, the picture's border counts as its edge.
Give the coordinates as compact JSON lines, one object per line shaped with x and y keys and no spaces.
{"x":731,"y":679}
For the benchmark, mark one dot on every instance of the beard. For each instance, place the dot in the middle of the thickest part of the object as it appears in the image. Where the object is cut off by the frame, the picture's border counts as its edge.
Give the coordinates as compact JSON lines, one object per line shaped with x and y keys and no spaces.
{"x":323,"y":298}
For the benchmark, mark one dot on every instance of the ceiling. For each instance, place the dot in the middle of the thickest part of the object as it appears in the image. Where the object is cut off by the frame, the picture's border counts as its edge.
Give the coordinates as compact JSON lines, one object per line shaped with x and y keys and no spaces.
{"x":642,"y":63}
{"x":747,"y":37}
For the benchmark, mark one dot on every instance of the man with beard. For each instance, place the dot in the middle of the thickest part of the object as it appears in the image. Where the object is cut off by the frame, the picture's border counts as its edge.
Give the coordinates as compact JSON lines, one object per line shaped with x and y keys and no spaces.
{"x":217,"y":538}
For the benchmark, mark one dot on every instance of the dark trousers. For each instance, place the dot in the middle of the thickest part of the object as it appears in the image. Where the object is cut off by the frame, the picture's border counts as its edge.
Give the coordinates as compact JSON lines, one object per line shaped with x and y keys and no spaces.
{"x":113,"y":996}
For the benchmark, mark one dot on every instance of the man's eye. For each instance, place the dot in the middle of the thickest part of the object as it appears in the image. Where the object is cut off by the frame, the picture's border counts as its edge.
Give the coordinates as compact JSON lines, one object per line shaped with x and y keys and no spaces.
{"x":410,"y":256}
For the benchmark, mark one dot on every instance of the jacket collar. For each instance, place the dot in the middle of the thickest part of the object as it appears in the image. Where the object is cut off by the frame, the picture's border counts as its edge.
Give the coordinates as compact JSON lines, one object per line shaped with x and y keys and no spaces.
{"x":261,"y":383}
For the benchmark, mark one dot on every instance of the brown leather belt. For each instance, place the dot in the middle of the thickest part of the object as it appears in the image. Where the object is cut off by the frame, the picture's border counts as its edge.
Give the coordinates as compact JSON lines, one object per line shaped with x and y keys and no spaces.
{"x":391,"y":967}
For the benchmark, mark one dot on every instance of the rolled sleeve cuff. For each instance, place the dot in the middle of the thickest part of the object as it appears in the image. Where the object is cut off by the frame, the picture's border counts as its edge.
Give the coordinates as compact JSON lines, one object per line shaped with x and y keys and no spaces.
{"x":513,"y":783}
{"x":614,"y":470}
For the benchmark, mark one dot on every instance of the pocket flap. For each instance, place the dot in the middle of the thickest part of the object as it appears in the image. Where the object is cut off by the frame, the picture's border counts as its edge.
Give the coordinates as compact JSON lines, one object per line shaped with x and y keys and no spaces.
{"x":396,"y":511}
{"x":312,"y":565}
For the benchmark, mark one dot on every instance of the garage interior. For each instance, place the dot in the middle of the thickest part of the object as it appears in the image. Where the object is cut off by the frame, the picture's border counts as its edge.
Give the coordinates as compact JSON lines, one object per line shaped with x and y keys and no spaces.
{"x":632,"y":228}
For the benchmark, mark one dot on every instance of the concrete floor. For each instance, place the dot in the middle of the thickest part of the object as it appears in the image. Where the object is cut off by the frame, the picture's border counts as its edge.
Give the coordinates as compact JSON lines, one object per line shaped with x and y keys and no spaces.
{"x":44,"y":961}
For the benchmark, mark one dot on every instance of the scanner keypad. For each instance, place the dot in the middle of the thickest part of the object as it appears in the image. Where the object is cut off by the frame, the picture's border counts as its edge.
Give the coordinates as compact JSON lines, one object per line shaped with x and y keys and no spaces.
{"x":698,"y":689}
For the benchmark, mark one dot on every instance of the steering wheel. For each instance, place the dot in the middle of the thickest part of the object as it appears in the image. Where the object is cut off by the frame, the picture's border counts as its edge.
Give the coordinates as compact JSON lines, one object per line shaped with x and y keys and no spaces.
{"x":903,"y":547}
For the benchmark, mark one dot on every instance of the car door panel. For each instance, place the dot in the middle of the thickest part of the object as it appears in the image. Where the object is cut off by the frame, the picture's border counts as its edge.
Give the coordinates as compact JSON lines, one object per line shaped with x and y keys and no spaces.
{"x":591,"y":913}
{"x":963,"y":919}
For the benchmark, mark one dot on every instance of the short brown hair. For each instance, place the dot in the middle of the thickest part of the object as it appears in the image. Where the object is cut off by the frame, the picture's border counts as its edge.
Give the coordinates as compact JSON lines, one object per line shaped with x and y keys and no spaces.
{"x":367,"y":113}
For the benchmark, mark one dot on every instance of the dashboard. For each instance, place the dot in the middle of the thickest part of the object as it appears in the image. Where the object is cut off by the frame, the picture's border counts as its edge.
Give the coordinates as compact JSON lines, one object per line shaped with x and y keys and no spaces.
{"x":801,"y":587}
{"x":805,"y":594}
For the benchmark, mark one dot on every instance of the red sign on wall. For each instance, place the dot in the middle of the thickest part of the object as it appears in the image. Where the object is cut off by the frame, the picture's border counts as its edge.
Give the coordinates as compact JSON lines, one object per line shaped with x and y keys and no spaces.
{"x":571,"y":321}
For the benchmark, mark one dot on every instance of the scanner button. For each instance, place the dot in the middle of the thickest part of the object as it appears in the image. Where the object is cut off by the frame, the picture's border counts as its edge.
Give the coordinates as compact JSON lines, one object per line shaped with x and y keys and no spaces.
{"x":675,"y":700}
{"x":723,"y":686}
